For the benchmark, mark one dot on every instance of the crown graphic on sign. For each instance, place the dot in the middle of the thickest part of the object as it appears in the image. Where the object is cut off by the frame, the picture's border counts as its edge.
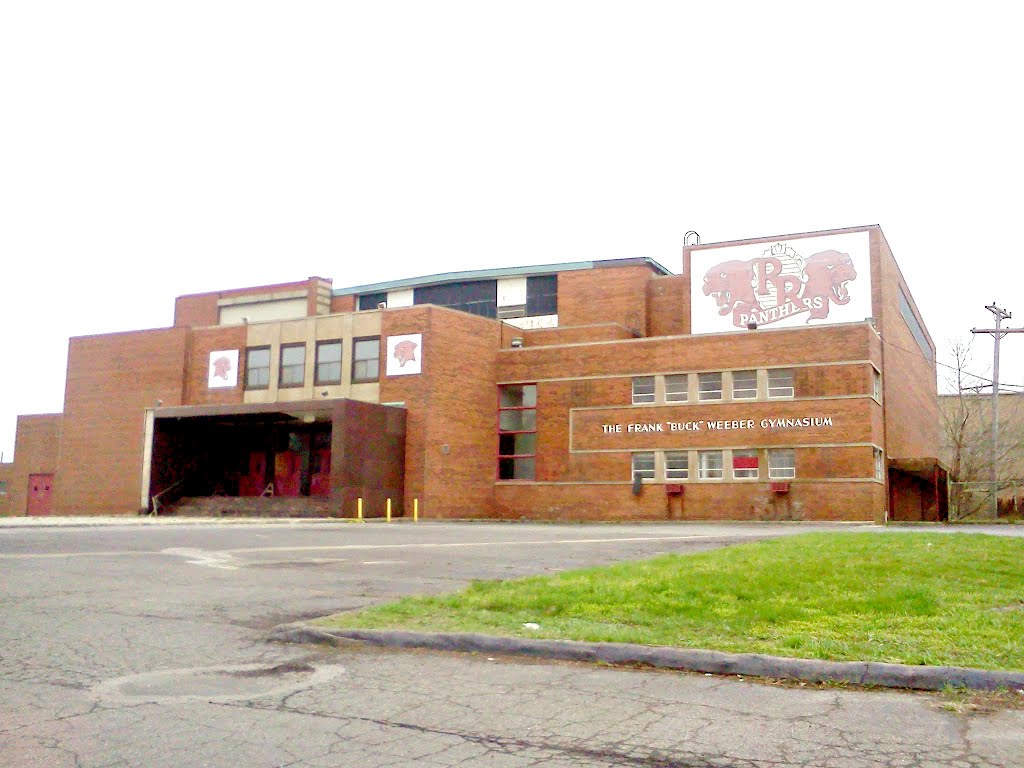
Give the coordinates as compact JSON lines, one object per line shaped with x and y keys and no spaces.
{"x":779,"y":249}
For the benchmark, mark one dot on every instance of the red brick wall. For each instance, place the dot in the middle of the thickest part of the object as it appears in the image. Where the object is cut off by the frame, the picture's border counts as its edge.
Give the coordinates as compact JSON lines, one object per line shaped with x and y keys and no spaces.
{"x":111,"y":380}
{"x":786,"y":346}
{"x":576,"y":334}
{"x":451,"y":445}
{"x":733,"y":501}
{"x":608,"y":295}
{"x":197,"y":310}
{"x":668,"y":306}
{"x":343,"y":303}
{"x":36,"y":448}
{"x":203,"y":341}
{"x":6,"y":475}
{"x":909,"y":378}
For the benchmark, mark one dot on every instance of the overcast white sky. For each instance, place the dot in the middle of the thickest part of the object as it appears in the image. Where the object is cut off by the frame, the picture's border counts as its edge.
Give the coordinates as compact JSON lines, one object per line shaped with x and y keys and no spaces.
{"x":153,"y":149}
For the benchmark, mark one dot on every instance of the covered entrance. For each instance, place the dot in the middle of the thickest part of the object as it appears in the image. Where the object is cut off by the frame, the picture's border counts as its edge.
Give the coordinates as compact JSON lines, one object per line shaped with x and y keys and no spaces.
{"x":918,"y":490}
{"x":311,"y":458}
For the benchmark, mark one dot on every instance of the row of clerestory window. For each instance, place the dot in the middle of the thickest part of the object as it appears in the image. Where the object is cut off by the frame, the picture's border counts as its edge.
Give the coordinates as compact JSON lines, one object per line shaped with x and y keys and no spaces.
{"x":753,"y":384}
{"x":327,"y":368}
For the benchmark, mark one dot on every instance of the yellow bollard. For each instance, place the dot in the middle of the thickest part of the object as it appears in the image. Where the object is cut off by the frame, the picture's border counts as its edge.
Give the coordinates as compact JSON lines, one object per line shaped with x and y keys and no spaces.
{"x":359,"y":509}
{"x":389,"y":510}
{"x":415,"y":510}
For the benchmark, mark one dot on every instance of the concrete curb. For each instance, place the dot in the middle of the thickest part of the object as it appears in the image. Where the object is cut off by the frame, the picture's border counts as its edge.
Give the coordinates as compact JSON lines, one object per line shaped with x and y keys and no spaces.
{"x":694,"y":660}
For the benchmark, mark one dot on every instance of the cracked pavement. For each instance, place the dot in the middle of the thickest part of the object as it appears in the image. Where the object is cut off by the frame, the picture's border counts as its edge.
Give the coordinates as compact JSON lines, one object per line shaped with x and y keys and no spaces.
{"x":132,"y":646}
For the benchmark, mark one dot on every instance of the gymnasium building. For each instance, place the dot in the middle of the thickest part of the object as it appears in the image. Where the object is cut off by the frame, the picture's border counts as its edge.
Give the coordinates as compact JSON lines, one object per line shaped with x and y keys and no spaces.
{"x":786,"y":377}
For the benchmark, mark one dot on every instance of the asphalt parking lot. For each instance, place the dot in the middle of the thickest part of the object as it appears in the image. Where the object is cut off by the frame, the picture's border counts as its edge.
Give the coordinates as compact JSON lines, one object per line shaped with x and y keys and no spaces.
{"x":135,"y":645}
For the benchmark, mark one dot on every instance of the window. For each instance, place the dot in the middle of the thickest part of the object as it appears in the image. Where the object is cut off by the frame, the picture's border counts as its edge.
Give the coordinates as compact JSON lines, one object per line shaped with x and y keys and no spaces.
{"x":677,"y":465}
{"x":709,"y":465}
{"x":478,"y":297}
{"x":744,"y":465}
{"x":643,"y":390}
{"x":366,"y":359}
{"x":677,"y":388}
{"x":876,"y":385}
{"x":372,"y":300}
{"x":744,"y":385}
{"x":328,"y":362}
{"x":293,"y":365}
{"x":915,"y":327}
{"x":517,"y":432}
{"x":3,"y":487}
{"x":879,"y":465}
{"x":643,"y":465}
{"x":257,"y":368}
{"x":541,"y":295}
{"x":780,"y":382}
{"x":781,"y":464}
{"x":709,"y":386}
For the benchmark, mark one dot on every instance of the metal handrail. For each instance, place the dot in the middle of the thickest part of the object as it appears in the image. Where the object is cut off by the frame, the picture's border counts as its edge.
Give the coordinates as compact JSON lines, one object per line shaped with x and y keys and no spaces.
{"x":156,"y":499}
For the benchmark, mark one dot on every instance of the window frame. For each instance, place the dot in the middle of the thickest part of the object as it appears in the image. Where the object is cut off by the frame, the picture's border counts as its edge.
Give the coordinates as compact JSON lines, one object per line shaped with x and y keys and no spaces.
{"x":281,"y":366}
{"x":701,"y":377}
{"x":356,"y":360}
{"x":735,"y":391}
{"x":791,"y":387}
{"x":677,"y":473}
{"x":646,"y":474}
{"x":705,"y":472}
{"x":249,"y":368}
{"x":643,"y":397}
{"x":320,"y":344}
{"x":746,"y":453}
{"x":879,"y":457}
{"x":682,"y":396}
{"x":789,"y":468}
{"x":512,"y":459}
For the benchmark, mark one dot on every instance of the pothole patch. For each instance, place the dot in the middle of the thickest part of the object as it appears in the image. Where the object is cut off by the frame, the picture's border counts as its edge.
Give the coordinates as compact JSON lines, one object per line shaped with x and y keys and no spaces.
{"x":237,"y":682}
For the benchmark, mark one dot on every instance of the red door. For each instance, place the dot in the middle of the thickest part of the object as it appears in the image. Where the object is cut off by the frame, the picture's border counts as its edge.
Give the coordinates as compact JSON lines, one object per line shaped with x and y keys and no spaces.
{"x":40,"y":494}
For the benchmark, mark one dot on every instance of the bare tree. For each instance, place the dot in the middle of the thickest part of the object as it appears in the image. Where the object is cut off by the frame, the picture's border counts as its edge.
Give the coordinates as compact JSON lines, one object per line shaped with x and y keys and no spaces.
{"x":966,"y":415}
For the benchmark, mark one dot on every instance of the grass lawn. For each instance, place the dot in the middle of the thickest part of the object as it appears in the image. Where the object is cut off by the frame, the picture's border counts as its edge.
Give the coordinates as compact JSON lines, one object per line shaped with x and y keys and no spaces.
{"x":911,"y":598}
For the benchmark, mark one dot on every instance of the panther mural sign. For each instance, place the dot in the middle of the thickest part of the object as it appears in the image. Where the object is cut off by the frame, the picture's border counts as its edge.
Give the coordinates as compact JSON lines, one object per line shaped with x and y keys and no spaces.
{"x":792,"y":282}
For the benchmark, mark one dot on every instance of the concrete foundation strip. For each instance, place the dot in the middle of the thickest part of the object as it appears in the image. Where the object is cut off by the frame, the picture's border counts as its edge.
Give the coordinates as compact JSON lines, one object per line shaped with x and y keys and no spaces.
{"x":714,"y":662}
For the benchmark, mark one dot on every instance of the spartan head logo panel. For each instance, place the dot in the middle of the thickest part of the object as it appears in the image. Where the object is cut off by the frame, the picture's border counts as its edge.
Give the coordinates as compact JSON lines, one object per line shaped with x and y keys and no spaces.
{"x":792,"y":282}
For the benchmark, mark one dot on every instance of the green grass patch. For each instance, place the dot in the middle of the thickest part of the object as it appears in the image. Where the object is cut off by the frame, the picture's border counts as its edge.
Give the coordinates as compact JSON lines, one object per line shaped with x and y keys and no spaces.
{"x":908,"y":598}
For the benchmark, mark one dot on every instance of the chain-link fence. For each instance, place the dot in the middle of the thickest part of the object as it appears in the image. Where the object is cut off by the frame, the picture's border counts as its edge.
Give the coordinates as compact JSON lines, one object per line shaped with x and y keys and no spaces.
{"x":973,"y":501}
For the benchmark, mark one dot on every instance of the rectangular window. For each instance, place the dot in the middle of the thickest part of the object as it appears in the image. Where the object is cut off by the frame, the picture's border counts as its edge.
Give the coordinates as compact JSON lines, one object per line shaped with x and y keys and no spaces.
{"x":744,"y":385}
{"x":879,"y":465}
{"x":915,"y":327}
{"x":876,"y":385}
{"x":643,"y":390}
{"x":677,"y":388}
{"x":781,"y":464}
{"x":366,"y":359}
{"x":517,"y":432}
{"x":709,"y":465}
{"x":372,"y":300}
{"x":3,"y":487}
{"x":541,"y":295}
{"x":677,"y":465}
{"x":328,"y":362}
{"x":744,"y":465}
{"x":293,"y":365}
{"x":257,"y":368}
{"x":643,"y":465}
{"x":780,"y":382}
{"x":709,"y":386}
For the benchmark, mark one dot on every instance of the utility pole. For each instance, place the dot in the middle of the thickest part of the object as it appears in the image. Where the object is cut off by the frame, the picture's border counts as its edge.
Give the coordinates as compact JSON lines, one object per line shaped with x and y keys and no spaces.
{"x":997,"y":334}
